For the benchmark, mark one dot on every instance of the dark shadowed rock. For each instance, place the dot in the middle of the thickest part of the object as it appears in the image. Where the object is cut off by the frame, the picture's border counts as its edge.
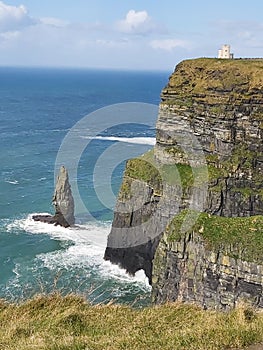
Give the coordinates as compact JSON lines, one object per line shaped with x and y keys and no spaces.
{"x":63,"y":203}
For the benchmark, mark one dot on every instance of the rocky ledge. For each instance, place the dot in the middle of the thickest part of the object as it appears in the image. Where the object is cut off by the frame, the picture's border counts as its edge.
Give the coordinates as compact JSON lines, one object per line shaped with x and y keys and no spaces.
{"x":63,"y":203}
{"x":207,"y":165}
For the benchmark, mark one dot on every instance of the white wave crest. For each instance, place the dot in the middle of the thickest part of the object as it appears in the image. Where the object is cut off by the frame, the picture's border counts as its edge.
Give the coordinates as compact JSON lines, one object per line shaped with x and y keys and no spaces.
{"x":136,"y":140}
{"x":12,"y":182}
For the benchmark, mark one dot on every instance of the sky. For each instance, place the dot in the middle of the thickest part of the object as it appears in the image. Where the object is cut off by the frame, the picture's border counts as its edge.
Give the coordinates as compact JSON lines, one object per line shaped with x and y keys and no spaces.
{"x":126,"y":34}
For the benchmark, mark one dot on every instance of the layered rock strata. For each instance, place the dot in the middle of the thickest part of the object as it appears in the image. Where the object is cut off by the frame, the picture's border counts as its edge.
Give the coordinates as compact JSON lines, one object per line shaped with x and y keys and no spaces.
{"x":214,"y":264}
{"x":208,"y":158}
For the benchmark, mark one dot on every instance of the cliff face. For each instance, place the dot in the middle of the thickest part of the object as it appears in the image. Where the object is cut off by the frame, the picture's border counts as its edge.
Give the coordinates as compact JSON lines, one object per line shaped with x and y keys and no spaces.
{"x":214,"y":264}
{"x":208,"y":158}
{"x":222,"y":103}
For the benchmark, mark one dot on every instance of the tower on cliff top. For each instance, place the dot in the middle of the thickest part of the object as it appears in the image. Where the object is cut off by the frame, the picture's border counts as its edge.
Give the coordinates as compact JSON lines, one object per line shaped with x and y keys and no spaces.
{"x":224,"y":52}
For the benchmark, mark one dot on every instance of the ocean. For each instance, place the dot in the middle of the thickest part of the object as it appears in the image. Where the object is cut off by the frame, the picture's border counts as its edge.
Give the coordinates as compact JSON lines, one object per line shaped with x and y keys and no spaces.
{"x":113,"y":113}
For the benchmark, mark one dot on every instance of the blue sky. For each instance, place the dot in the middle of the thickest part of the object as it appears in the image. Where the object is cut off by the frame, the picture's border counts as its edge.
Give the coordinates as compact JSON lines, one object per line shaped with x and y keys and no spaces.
{"x":126,"y":34}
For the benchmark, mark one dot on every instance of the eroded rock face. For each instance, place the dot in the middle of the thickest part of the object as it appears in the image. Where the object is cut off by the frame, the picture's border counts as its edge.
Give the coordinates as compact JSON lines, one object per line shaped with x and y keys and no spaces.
{"x":221,"y":104}
{"x":63,"y":200}
{"x":190,"y":269}
{"x":63,"y":203}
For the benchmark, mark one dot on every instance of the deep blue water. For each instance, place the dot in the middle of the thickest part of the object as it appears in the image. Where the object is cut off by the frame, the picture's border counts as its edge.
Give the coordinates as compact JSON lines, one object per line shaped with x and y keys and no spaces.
{"x":38,"y":108}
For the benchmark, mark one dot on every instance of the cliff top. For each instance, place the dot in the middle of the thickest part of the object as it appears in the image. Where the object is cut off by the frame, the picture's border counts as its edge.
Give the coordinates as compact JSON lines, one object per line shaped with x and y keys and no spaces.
{"x":204,"y":77}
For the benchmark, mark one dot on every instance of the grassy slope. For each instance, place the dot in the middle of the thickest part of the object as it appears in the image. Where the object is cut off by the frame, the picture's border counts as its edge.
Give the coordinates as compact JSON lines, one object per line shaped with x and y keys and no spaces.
{"x":238,"y":237}
{"x":56,"y":323}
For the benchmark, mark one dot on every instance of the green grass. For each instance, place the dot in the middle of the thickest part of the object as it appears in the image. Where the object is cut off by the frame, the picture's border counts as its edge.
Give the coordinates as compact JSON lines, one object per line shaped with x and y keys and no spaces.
{"x":238,"y":237}
{"x":145,"y":169}
{"x":205,"y":79}
{"x":64,"y":323}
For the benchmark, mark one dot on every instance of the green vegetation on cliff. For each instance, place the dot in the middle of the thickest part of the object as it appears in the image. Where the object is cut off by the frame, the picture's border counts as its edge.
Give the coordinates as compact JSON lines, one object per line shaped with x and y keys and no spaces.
{"x":69,"y":323}
{"x":146,"y":169}
{"x":206,"y":78}
{"x":143,"y":169}
{"x":237,"y":237}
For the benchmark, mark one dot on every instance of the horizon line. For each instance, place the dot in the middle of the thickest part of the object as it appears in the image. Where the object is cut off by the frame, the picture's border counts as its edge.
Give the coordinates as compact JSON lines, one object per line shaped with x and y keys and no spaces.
{"x":85,"y":68}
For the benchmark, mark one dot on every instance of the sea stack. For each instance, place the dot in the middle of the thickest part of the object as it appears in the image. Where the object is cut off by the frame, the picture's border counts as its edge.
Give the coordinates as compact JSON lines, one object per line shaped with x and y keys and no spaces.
{"x":63,"y":202}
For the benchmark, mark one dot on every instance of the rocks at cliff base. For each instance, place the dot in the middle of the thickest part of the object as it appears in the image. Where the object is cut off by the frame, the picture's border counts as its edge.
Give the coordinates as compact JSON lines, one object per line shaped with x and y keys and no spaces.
{"x":63,"y":203}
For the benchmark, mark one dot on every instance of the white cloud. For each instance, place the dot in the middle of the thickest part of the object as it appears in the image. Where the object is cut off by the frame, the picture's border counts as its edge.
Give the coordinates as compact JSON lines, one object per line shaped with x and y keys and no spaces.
{"x":55,"y":22}
{"x":13,"y":18}
{"x":50,"y":41}
{"x":245,"y":37}
{"x":7,"y":36}
{"x":136,"y":23}
{"x":240,"y":30}
{"x":167,"y":44}
{"x":111,"y":43}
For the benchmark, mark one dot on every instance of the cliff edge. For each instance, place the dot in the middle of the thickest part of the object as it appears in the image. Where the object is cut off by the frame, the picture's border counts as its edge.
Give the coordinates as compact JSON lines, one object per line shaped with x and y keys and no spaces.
{"x":190,"y":211}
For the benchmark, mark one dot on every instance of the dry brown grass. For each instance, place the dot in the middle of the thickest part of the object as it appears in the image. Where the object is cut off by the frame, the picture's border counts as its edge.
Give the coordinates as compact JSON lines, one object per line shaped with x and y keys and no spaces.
{"x":59,"y":323}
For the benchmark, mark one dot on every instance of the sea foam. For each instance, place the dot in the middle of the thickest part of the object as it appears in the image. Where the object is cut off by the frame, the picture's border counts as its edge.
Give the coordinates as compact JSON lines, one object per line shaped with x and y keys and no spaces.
{"x":86,"y":249}
{"x":135,"y":140}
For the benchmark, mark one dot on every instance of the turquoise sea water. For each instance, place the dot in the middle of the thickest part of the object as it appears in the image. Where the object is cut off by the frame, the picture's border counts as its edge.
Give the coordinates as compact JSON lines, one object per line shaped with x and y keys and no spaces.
{"x":38,"y":107}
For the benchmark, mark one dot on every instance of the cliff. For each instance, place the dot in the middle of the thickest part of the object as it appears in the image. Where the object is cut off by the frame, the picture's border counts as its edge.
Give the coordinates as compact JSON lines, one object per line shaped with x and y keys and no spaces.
{"x":218,"y":263}
{"x":208,"y":159}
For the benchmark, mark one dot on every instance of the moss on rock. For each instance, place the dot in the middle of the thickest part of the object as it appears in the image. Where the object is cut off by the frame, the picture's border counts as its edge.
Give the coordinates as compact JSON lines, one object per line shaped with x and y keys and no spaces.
{"x":237,"y":237}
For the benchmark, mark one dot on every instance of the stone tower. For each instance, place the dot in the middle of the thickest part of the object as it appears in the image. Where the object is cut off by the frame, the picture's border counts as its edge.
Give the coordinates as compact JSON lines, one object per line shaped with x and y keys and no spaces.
{"x":224,"y":52}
